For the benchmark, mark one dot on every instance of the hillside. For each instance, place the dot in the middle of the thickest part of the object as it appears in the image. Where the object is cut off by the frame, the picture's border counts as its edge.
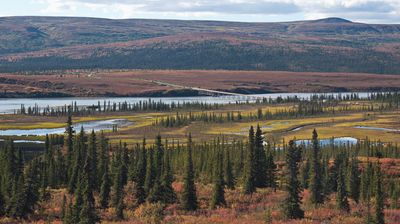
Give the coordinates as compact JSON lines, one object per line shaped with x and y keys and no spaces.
{"x":326,"y":45}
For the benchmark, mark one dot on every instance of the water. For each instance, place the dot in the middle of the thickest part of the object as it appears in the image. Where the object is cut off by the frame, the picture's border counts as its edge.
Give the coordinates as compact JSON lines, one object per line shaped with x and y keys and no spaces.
{"x":336,"y":141}
{"x":88,"y":126}
{"x":377,"y":128}
{"x":26,"y":141}
{"x":8,"y":106}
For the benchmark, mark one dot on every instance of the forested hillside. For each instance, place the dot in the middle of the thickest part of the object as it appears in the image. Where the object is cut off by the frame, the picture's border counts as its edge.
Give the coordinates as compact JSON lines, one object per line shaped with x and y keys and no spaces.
{"x":327,"y":45}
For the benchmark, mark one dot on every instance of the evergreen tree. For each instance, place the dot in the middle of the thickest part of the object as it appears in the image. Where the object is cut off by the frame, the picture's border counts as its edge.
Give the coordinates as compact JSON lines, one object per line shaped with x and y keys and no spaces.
{"x":341,"y":193}
{"x":150,"y":173}
{"x":228,"y":175}
{"x":271,"y":170}
{"x":92,"y":153}
{"x":105,"y":189}
{"x":260,"y":160}
{"x":379,"y":197}
{"x":305,"y":174}
{"x":118,"y":196}
{"x":69,"y":132}
{"x":218,"y":197}
{"x":103,"y":156}
{"x":168,"y":193}
{"x":292,"y":202}
{"x":140,"y":193}
{"x":18,"y":200}
{"x":87,"y":212}
{"x":354,"y":180}
{"x":316,"y":188}
{"x":189,"y":198}
{"x":250,"y":172}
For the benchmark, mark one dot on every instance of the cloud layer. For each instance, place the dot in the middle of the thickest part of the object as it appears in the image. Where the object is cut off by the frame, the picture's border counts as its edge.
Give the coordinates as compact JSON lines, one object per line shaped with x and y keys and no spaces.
{"x":376,"y":11}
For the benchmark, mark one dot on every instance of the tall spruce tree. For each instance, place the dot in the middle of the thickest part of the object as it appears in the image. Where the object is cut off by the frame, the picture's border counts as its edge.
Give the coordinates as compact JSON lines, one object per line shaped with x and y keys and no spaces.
{"x":118,"y":196}
{"x":260,"y":160}
{"x":92,"y":153}
{"x":84,"y":210}
{"x":228,"y":175}
{"x":69,"y":135}
{"x":379,"y":197}
{"x":189,"y":198}
{"x":140,"y":177}
{"x":341,"y":193}
{"x":354,"y":180}
{"x":168,"y":193}
{"x":218,"y":197}
{"x":292,"y":202}
{"x":316,"y":187}
{"x":271,"y":169}
{"x":250,"y":171}
{"x":150,"y":172}
{"x":105,"y":189}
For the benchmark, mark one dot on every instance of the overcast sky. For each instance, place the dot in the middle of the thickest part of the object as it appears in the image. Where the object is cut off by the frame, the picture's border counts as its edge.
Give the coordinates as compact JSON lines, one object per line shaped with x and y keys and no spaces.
{"x":370,"y":11}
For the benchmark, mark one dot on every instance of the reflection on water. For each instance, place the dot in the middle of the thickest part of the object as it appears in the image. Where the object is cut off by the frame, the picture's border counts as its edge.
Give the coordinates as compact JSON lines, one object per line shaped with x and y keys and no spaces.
{"x":335,"y":141}
{"x":8,"y":105}
{"x":377,"y":128}
{"x":26,"y":141}
{"x":88,"y":126}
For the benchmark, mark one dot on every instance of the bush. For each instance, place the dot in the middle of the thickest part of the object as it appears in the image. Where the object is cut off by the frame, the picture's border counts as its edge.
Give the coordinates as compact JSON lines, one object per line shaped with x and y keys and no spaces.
{"x":151,"y":213}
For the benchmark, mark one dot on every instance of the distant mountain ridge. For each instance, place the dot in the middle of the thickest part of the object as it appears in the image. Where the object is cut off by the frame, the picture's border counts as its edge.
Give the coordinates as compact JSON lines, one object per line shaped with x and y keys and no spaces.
{"x":324,"y":45}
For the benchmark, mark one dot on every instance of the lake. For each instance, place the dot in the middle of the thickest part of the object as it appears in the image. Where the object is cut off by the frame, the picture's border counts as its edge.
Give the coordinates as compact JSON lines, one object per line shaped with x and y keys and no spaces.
{"x":88,"y":126}
{"x":9,"y":105}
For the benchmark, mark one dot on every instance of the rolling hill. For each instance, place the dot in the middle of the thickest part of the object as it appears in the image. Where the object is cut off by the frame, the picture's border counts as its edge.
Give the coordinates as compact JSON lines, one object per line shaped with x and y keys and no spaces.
{"x":325,"y":45}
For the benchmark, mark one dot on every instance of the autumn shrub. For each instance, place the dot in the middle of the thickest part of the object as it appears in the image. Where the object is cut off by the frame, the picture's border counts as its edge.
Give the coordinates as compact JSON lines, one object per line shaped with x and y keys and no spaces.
{"x":151,"y":213}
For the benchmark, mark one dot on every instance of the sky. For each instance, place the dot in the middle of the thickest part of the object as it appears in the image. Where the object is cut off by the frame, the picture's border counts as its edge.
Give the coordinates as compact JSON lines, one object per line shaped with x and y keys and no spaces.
{"x":368,"y":11}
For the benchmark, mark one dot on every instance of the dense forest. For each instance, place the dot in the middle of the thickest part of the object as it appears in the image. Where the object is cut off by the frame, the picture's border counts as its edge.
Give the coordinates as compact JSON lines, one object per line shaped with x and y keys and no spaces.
{"x":97,"y":175}
{"x":326,"y":45}
{"x":218,"y":54}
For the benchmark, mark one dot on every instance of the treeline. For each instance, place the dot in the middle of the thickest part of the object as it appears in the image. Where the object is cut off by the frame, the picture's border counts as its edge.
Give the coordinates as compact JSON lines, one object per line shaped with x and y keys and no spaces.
{"x":95,"y":175}
{"x":219,"y":54}
{"x":108,"y":106}
{"x":300,"y":110}
{"x":314,"y":104}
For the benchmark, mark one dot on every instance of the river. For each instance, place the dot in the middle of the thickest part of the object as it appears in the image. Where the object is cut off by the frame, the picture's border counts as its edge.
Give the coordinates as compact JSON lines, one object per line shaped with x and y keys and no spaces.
{"x":9,"y":105}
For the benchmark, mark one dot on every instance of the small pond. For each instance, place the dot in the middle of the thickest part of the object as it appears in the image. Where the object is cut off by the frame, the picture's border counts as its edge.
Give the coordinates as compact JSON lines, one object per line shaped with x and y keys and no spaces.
{"x":88,"y":126}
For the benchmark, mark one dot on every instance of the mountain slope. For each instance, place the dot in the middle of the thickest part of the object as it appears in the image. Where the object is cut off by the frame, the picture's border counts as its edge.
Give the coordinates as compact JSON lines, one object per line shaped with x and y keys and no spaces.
{"x":326,"y":45}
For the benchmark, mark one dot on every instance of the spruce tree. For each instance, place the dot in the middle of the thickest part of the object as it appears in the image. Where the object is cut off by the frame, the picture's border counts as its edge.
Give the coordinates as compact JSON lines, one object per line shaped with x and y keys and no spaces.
{"x":118,"y":196}
{"x":156,"y":191}
{"x":250,"y":172}
{"x":189,"y":198}
{"x":354,"y":180}
{"x":140,"y":193}
{"x":379,"y":197}
{"x":218,"y":197}
{"x":292,"y":202}
{"x":316,"y":188}
{"x":92,"y":153}
{"x":271,"y":170}
{"x":69,"y":132}
{"x":18,"y":200}
{"x":228,"y":175}
{"x":341,"y":193}
{"x":105,"y":189}
{"x":150,"y":173}
{"x":260,"y":160}
{"x":168,"y":193}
